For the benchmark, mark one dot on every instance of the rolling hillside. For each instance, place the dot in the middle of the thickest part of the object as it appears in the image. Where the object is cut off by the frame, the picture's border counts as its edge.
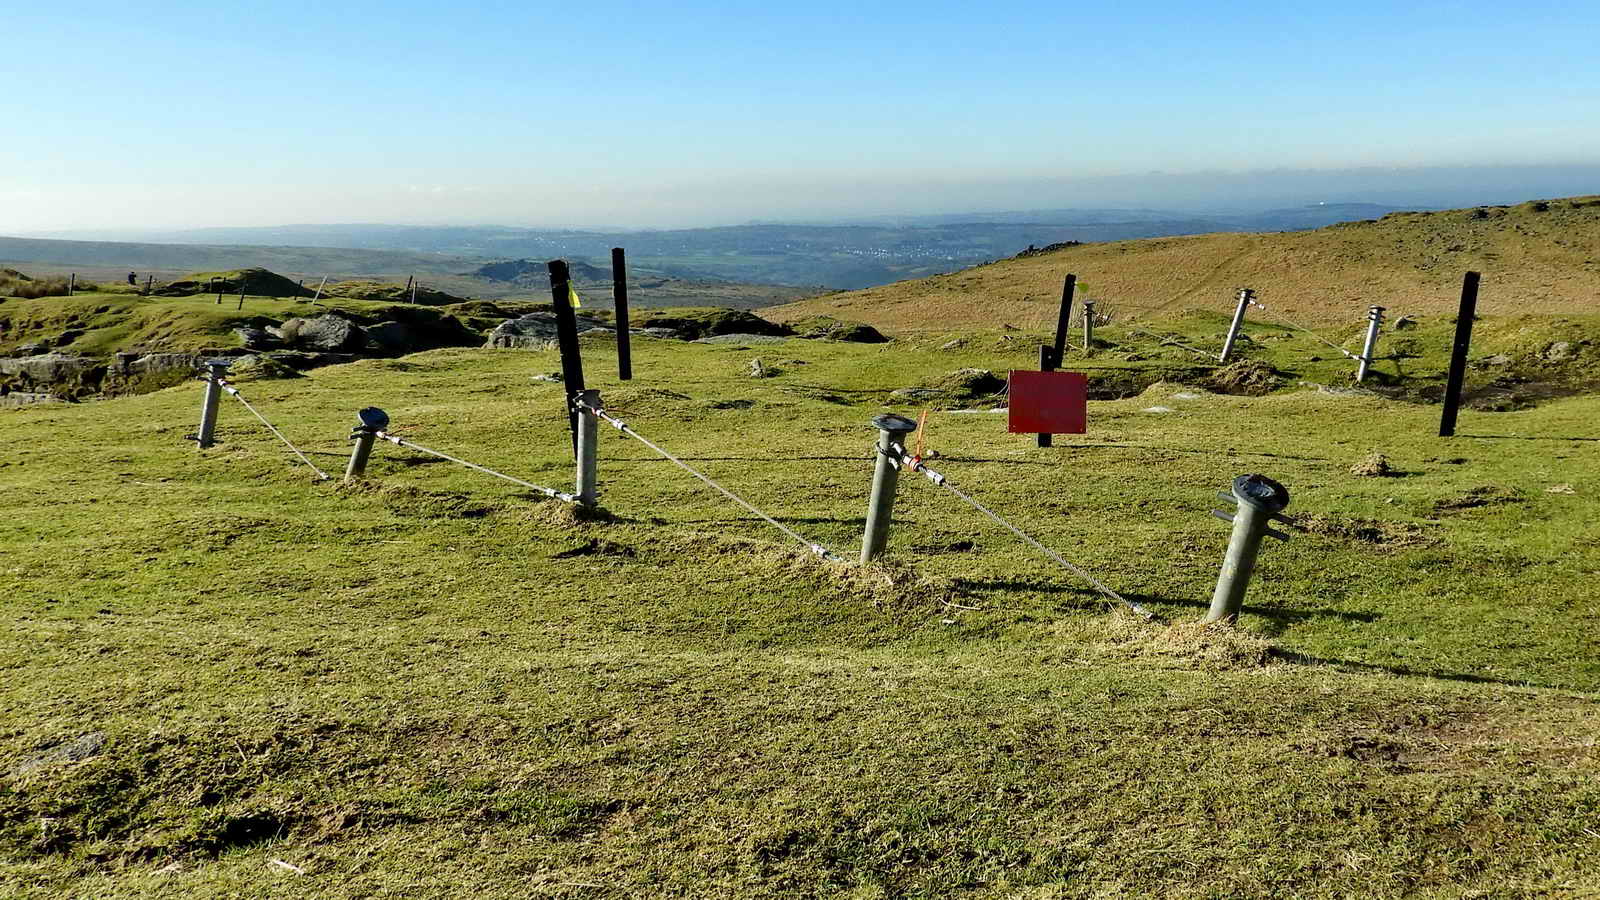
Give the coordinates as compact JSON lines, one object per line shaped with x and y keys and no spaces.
{"x":106,"y":261}
{"x":1538,"y":257}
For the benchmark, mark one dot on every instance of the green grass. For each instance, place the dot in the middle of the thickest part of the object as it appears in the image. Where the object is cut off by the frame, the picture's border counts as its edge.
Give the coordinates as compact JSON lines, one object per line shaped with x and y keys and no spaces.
{"x":433,"y":684}
{"x":112,"y":322}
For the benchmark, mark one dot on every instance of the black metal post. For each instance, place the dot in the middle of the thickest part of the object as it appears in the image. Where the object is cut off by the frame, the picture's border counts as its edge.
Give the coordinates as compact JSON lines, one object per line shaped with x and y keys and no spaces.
{"x":1064,"y":320}
{"x":1048,"y":360}
{"x":619,"y":290}
{"x":1458,"y":354}
{"x":567,"y":338}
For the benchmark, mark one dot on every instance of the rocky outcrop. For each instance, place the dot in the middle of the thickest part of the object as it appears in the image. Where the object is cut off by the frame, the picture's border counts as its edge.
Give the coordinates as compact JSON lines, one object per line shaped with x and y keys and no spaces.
{"x":828,"y":328}
{"x":327,"y":333}
{"x":691,"y":323}
{"x":536,"y":330}
{"x":57,"y":374}
{"x":252,"y":338}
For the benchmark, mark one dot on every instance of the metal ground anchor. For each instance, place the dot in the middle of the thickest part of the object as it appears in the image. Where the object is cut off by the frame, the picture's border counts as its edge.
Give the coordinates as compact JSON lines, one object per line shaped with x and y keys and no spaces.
{"x":892,"y":430}
{"x":588,"y":446}
{"x":1247,"y":298}
{"x":373,"y":420}
{"x":1260,"y":500}
{"x":216,"y":369}
{"x":1374,"y":321}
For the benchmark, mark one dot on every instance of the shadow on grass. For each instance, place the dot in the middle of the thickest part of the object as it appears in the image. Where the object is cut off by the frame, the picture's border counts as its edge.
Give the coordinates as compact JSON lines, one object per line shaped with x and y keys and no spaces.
{"x":1192,"y":452}
{"x":856,"y":522}
{"x":865,"y":457}
{"x":1305,"y":659}
{"x":411,"y":462}
{"x":1278,"y":618}
{"x":1523,"y":437}
{"x":1081,"y":597}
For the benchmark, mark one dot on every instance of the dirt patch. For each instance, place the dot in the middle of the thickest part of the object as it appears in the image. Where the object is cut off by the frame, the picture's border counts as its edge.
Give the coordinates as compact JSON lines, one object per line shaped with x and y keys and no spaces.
{"x":1373,"y":465}
{"x":1511,"y":394}
{"x":1483,"y":495}
{"x":1363,"y":748}
{"x":411,"y":502}
{"x":1367,"y":531}
{"x":85,"y":747}
{"x":1247,"y":377}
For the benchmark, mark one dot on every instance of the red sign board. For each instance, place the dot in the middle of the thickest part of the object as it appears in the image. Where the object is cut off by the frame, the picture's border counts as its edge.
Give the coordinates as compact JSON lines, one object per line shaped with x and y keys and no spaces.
{"x":1048,"y":403}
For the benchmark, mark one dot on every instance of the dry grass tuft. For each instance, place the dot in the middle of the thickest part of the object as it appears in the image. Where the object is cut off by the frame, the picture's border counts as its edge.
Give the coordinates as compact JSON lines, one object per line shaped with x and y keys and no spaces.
{"x":1373,"y":465}
{"x":560,"y":514}
{"x":889,"y":586}
{"x":1121,"y":635}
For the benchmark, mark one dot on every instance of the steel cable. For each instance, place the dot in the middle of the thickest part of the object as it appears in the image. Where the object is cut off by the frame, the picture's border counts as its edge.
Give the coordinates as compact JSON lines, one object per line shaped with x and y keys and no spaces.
{"x":548,"y":492}
{"x":623,"y":427}
{"x":1288,"y":324}
{"x":915,"y":464}
{"x":240,"y":397}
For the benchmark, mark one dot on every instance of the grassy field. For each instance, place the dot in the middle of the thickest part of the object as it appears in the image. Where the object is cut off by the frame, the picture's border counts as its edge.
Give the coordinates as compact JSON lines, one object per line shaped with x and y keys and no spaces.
{"x":1536,"y":258}
{"x":434,"y":684}
{"x":117,"y":321}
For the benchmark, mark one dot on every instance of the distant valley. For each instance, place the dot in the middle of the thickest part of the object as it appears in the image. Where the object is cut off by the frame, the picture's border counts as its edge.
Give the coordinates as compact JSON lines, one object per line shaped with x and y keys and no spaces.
{"x":804,"y":257}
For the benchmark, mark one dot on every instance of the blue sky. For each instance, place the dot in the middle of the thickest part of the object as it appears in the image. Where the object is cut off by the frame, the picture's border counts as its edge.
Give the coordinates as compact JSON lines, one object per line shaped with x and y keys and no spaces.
{"x":177,"y":114}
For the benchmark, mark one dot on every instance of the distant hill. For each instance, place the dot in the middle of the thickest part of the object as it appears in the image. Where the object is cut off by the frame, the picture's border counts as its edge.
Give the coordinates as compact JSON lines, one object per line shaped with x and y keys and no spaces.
{"x":441,"y":277}
{"x":839,"y":255}
{"x":1536,"y":257}
{"x":181,"y":258}
{"x":536,"y":273}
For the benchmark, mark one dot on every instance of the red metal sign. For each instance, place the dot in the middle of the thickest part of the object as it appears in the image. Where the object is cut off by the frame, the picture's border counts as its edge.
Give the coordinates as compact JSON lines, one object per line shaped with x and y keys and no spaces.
{"x":1048,"y":403}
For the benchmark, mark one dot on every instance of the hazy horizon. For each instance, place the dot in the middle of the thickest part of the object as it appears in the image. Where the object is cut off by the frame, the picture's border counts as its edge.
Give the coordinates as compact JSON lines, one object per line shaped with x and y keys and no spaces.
{"x":1195,"y":194}
{"x":181,"y":114}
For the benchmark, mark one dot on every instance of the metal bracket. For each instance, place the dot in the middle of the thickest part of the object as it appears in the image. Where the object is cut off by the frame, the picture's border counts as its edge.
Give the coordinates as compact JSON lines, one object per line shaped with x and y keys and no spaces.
{"x":893,"y":457}
{"x":1227,"y":497}
{"x":1226,"y":517}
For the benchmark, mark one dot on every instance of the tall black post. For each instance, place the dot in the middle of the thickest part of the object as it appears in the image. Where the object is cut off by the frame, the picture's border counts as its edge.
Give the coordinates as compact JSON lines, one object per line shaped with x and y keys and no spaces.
{"x":1068,"y":287}
{"x":1047,"y":363}
{"x":567,"y":338}
{"x":619,"y":290}
{"x":1458,"y":354}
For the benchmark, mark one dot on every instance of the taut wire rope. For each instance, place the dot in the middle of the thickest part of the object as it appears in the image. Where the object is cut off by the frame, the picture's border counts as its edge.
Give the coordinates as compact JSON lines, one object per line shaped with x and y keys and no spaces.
{"x":548,"y":492}
{"x":915,"y":464}
{"x":222,"y":383}
{"x":626,"y":429}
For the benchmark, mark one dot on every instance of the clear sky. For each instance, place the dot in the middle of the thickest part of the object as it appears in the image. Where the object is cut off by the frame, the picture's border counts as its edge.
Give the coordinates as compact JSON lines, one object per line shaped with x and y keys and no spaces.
{"x":173,"y":114}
